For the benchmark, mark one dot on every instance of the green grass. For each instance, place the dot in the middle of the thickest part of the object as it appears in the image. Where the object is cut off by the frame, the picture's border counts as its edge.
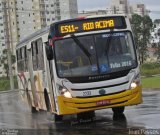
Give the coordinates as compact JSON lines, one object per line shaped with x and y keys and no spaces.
{"x":150,"y":69}
{"x":5,"y":83}
{"x":151,"y":82}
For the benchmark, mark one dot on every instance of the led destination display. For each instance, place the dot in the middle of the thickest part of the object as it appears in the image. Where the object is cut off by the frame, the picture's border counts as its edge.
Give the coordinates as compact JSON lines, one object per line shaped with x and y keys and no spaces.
{"x":90,"y":24}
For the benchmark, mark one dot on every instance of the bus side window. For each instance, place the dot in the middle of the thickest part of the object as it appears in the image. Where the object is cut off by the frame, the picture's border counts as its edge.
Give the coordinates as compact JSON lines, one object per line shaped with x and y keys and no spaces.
{"x":18,"y":57}
{"x":26,"y":58}
{"x":20,"y":62}
{"x":23,"y":59}
{"x":40,"y":54}
{"x":37,"y":55}
{"x":32,"y":49}
{"x":34,"y":55}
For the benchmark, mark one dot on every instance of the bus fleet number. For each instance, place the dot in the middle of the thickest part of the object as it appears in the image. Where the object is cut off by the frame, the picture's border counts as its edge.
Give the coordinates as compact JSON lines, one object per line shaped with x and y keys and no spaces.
{"x":86,"y":93}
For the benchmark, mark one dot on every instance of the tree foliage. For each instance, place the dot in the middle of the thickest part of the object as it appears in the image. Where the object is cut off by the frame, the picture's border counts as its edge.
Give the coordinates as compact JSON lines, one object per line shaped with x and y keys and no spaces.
{"x":156,"y":21}
{"x":141,"y":28}
{"x":4,"y":61}
{"x":157,"y":46}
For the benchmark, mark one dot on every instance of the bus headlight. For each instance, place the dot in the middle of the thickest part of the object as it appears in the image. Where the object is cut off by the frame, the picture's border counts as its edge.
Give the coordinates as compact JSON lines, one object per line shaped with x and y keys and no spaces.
{"x":135,"y":82}
{"x":133,"y":85}
{"x":65,"y":93}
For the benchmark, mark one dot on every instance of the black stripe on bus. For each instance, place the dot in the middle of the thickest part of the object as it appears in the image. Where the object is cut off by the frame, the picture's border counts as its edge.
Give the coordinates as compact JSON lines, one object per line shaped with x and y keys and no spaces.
{"x":100,"y":95}
{"x":95,"y":88}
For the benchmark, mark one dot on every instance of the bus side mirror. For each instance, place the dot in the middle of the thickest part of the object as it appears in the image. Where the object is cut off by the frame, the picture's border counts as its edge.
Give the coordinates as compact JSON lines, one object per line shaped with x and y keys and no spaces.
{"x":49,"y":52}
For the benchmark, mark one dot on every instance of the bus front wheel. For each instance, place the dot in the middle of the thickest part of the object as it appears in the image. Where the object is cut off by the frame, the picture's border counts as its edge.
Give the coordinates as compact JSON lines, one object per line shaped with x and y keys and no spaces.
{"x":47,"y":101}
{"x":86,"y":115}
{"x":118,"y":110}
{"x":58,"y":117}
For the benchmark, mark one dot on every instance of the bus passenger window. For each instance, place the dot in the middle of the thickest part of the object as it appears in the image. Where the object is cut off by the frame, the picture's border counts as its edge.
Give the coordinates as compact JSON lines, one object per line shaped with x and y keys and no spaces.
{"x":34,"y":56}
{"x":26,"y":59}
{"x":20,"y":60}
{"x":37,"y":55}
{"x":32,"y":49}
{"x":40,"y":54}
{"x":36,"y":47}
{"x":17,"y":54}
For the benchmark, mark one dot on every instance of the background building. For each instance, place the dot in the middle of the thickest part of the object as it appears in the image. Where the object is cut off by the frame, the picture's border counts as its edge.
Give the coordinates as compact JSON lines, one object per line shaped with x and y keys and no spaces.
{"x":68,"y":9}
{"x":20,"y":18}
{"x":28,"y":16}
{"x":139,"y":9}
{"x":2,"y":37}
{"x":123,"y":7}
{"x":118,"y":7}
{"x":93,"y":12}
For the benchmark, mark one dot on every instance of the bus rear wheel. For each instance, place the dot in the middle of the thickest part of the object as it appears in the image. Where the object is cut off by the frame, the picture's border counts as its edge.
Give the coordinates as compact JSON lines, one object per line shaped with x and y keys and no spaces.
{"x":32,"y":109}
{"x":118,"y":110}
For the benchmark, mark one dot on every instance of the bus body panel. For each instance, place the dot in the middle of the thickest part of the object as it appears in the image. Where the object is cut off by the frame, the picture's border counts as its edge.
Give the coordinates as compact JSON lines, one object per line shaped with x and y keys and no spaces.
{"x":77,"y":105}
{"x":40,"y":79}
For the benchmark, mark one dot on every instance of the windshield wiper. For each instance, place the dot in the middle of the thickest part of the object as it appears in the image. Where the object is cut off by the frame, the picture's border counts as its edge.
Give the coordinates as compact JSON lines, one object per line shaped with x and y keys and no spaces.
{"x":81,"y":46}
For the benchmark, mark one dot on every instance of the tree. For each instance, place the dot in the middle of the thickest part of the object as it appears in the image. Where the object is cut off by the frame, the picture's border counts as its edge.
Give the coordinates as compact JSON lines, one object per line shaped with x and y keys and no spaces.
{"x":4,"y":62}
{"x":158,"y":51}
{"x":141,"y":28}
{"x":156,"y":21}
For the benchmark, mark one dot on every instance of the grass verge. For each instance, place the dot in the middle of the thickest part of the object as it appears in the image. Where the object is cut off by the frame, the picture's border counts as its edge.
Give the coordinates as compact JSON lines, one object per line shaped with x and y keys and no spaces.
{"x":5,"y":83}
{"x":150,"y":69}
{"x":151,"y":82}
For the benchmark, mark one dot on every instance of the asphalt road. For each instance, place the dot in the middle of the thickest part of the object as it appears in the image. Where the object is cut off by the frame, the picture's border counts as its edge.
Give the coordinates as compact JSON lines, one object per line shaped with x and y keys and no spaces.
{"x":14,"y":114}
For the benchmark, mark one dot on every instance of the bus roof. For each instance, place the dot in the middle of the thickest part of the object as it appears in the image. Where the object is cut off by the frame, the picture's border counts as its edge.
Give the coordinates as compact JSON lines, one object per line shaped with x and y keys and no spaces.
{"x":33,"y":35}
{"x":46,"y":29}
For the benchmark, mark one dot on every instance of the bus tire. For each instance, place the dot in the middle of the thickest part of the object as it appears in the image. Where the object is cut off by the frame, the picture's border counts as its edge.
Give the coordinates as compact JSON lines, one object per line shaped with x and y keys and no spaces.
{"x":47,"y":101}
{"x":118,"y":110}
{"x":86,"y":115}
{"x":58,"y":117}
{"x":33,"y":109}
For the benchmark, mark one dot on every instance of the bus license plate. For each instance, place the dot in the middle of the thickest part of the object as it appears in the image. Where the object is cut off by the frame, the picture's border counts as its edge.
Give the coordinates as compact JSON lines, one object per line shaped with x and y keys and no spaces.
{"x":103,"y":102}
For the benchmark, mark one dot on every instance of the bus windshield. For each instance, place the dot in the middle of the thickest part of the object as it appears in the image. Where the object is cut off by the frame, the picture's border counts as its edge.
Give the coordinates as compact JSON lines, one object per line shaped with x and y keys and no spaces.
{"x":109,"y":52}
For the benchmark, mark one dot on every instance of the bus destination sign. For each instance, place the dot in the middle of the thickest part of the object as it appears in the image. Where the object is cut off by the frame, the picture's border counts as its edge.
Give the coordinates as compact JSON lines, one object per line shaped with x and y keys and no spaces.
{"x":90,"y":24}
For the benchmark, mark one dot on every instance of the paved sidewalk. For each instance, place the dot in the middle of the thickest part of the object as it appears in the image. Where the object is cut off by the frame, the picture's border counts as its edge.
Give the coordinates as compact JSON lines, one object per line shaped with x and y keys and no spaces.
{"x":7,"y":91}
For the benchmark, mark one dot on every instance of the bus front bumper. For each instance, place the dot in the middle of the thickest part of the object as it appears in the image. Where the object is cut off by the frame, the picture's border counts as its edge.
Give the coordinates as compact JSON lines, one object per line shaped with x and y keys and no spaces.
{"x":77,"y":105}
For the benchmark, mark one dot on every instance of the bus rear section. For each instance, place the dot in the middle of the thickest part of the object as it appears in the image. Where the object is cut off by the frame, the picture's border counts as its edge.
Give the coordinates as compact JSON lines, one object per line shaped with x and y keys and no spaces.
{"x":94,"y":65}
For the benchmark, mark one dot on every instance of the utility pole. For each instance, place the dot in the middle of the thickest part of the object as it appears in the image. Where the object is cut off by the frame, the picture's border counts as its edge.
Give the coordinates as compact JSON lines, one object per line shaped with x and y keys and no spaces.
{"x":6,"y":16}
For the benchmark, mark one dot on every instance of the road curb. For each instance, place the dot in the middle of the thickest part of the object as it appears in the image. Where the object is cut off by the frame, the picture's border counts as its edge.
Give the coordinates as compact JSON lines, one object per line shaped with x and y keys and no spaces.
{"x":8,"y":91}
{"x":150,"y":76}
{"x":150,"y":89}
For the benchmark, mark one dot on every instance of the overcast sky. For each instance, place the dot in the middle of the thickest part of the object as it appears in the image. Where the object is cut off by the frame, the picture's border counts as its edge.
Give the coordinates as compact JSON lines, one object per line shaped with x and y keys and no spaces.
{"x":153,"y":5}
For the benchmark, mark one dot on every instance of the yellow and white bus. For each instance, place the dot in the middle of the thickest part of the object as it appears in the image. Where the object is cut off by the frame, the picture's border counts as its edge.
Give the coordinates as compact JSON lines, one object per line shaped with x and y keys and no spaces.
{"x":80,"y":65}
